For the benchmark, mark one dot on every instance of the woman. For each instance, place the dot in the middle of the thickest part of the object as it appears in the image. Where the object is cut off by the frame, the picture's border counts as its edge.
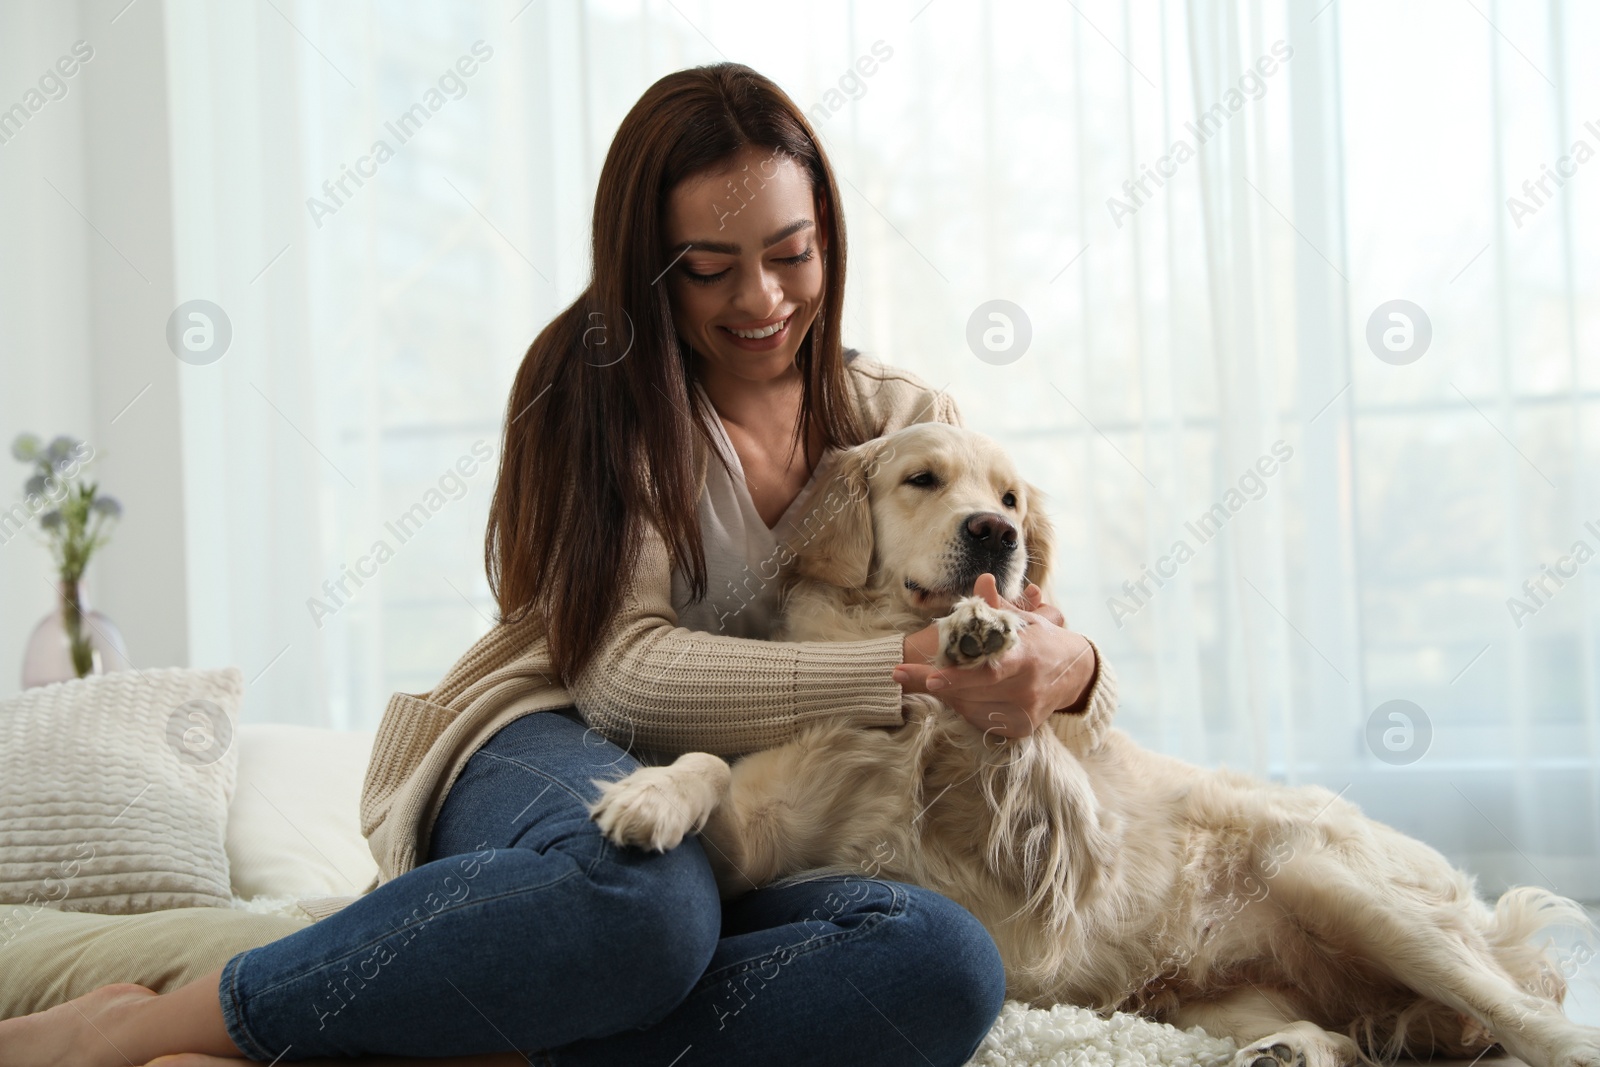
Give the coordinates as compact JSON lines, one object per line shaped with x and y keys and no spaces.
{"x":500,"y":918}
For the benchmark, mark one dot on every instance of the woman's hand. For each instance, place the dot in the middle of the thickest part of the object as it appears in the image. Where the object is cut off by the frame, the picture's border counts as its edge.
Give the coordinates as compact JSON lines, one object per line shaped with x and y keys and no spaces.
{"x":1049,"y":670}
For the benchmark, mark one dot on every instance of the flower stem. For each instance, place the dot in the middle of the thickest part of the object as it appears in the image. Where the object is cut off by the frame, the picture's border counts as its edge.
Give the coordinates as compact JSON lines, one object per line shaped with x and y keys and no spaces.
{"x":72,"y":613}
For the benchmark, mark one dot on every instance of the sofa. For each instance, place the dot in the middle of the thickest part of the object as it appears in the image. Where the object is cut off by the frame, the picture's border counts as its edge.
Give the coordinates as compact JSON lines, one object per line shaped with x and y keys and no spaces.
{"x":281,"y":802}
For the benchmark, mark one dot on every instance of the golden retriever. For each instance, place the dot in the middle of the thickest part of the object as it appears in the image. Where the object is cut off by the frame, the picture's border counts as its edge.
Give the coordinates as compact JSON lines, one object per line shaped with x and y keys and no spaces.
{"x":1110,"y":876}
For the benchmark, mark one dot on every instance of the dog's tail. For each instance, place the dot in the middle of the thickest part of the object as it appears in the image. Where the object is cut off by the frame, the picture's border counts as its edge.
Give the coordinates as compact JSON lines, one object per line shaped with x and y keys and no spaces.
{"x":1540,"y":969}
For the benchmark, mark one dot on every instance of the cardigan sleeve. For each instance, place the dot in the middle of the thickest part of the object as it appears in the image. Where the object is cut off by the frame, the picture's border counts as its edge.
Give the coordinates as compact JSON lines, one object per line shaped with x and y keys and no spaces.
{"x":656,"y":685}
{"x":1084,"y":726}
{"x":945,"y":410}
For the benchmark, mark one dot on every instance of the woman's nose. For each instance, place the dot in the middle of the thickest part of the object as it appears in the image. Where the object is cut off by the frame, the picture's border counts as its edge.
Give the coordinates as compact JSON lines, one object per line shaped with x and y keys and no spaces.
{"x":759,"y":292}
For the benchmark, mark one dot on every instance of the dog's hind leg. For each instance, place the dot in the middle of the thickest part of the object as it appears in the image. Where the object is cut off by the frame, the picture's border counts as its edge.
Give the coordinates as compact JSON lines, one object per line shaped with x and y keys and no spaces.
{"x":1267,"y":1029}
{"x":1426,"y":947}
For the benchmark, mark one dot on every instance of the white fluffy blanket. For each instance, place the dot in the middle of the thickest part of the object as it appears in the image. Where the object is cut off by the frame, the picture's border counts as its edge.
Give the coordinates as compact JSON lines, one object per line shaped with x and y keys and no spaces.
{"x":1076,"y":1037}
{"x":1031,"y":1037}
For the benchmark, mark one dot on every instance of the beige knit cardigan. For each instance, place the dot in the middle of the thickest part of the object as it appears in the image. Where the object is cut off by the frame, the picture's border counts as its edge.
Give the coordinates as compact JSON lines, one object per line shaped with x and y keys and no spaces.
{"x":652,"y":683}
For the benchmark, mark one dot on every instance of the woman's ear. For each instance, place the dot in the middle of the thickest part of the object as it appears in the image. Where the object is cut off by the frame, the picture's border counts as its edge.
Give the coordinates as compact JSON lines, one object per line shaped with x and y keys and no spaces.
{"x":836,"y":548}
{"x":1039,"y":538}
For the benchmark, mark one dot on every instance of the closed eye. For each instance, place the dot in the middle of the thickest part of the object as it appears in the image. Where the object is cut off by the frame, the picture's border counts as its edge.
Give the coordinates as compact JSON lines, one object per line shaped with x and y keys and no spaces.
{"x":709,"y":279}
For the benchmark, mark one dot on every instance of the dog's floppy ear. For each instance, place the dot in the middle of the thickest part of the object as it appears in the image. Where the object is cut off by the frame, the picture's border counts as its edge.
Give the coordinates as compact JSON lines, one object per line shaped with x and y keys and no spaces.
{"x":1039,"y":537}
{"x":836,"y":537}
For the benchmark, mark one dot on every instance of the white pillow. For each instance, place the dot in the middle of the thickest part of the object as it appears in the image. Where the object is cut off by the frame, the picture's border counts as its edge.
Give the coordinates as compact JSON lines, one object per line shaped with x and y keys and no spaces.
{"x":295,"y":827}
{"x":114,"y":790}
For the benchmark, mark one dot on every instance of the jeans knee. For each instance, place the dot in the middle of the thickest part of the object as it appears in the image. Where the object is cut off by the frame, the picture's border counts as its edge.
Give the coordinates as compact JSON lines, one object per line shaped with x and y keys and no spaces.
{"x":660,"y":918}
{"x":951,"y":961}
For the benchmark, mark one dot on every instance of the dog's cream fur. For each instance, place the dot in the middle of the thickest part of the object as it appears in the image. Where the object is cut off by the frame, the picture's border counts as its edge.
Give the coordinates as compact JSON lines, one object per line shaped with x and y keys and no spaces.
{"x":1109,"y":876}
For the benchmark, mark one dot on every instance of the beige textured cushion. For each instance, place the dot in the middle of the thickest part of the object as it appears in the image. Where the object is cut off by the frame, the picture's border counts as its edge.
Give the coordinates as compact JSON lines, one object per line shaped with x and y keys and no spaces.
{"x":114,"y":791}
{"x":47,"y":956}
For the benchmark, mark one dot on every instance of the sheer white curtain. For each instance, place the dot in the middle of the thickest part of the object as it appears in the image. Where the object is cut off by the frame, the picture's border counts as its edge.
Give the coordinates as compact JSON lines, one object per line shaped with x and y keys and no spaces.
{"x":1198,"y":374}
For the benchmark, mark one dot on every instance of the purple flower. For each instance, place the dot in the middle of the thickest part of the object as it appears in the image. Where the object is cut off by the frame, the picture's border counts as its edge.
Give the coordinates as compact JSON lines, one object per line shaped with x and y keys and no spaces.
{"x":36,"y":485}
{"x":50,"y":520}
{"x":107,"y":506}
{"x":61,"y":448}
{"x":26,"y":447}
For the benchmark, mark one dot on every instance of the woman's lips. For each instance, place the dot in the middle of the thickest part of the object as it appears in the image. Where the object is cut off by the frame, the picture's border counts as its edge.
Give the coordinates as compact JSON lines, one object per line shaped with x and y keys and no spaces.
{"x":759,"y":344}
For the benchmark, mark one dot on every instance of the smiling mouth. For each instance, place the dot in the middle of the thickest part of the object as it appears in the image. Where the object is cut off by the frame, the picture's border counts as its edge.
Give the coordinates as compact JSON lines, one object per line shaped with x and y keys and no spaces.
{"x":761,"y":333}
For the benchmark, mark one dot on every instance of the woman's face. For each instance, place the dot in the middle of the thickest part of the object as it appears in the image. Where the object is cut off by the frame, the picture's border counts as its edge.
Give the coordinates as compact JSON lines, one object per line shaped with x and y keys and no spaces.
{"x":750,"y":284}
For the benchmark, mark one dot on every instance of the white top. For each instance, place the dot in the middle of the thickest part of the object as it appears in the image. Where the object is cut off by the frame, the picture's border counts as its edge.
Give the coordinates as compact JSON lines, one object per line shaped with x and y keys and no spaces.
{"x":744,"y":559}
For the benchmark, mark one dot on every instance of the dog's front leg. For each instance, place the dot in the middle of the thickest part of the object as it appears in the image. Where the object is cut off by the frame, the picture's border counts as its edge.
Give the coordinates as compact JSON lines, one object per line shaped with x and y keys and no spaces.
{"x":654,"y":807}
{"x":763,"y":830}
{"x":754,"y":820}
{"x":782,"y":810}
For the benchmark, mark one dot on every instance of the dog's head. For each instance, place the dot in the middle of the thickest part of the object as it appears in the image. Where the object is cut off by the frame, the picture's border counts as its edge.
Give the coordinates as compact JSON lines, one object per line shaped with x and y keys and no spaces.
{"x":920,"y":514}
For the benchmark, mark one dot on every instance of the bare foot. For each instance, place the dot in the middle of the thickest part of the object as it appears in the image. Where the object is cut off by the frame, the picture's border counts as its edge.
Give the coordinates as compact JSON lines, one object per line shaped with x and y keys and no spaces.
{"x":87,"y":1031}
{"x":502,"y":1059}
{"x":67,"y":1032}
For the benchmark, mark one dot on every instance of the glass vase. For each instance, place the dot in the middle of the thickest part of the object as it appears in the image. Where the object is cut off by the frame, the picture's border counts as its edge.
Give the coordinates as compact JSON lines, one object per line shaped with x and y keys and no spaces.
{"x":73,"y":642}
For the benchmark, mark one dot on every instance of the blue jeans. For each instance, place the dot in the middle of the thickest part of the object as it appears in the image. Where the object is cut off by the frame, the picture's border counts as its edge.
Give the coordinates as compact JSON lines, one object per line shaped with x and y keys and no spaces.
{"x":527,"y":930}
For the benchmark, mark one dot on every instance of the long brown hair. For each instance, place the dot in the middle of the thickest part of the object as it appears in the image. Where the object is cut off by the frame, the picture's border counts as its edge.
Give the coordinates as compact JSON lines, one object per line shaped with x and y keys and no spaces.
{"x":596,"y":443}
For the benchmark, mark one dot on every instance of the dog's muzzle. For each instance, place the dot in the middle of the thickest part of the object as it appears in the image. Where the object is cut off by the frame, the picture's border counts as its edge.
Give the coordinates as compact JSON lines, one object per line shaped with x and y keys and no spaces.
{"x":988,"y":544}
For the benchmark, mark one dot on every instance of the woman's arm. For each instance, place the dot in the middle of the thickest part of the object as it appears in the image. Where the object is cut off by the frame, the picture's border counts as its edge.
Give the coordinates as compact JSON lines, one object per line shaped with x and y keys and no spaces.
{"x":657,"y":685}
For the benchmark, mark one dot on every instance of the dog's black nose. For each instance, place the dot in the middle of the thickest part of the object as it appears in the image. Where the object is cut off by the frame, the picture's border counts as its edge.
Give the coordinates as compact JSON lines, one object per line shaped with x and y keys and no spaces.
{"x":991,"y":531}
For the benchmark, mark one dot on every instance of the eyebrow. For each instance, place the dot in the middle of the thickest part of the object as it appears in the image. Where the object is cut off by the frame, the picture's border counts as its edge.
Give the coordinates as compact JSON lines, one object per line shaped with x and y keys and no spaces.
{"x":727,"y":249}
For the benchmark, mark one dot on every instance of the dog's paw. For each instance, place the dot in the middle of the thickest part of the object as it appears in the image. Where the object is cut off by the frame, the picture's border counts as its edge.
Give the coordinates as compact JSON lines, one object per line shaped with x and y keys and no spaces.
{"x":1300,"y":1045}
{"x":1544,"y":1037}
{"x":1270,"y":1053}
{"x":974,"y":633}
{"x":1583,"y":1051}
{"x":656,"y":807}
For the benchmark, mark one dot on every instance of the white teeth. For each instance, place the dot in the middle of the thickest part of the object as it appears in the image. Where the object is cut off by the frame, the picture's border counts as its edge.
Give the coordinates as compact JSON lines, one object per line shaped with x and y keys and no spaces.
{"x":756,"y":335}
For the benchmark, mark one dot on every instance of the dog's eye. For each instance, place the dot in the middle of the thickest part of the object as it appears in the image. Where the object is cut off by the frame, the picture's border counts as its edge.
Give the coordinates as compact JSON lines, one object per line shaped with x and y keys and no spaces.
{"x":923,"y":480}
{"x":1009,"y":500}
